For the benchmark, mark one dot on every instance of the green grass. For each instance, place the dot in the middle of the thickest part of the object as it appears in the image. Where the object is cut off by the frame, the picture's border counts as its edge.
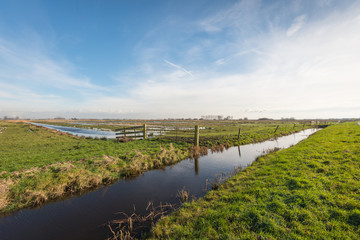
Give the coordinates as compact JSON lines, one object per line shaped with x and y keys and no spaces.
{"x":38,"y":165}
{"x":24,"y":146}
{"x":309,"y":191}
{"x":215,"y":132}
{"x":226,"y":132}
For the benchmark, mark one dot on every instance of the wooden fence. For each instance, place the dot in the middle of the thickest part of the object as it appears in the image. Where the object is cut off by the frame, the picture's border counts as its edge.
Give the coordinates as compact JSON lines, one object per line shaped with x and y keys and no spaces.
{"x":145,"y":131}
{"x":136,"y":132}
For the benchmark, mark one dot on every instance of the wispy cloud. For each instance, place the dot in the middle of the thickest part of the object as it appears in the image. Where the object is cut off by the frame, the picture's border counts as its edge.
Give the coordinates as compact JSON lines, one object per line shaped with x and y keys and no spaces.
{"x":296,"y":25}
{"x":238,"y":17}
{"x":32,"y":80}
{"x":21,"y":64}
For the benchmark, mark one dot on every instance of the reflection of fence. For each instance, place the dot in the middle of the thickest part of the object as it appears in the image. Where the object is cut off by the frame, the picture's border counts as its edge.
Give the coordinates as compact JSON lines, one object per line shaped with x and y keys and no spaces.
{"x":169,"y":132}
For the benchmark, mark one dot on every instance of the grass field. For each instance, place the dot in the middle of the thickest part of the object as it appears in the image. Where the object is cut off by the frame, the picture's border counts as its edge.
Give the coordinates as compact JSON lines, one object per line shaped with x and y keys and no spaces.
{"x":214,"y":132}
{"x":309,"y":191}
{"x":38,"y":165}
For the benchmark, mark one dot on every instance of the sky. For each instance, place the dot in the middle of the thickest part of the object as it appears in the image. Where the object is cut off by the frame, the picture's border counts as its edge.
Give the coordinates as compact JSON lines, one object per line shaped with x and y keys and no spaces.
{"x":180,"y":59}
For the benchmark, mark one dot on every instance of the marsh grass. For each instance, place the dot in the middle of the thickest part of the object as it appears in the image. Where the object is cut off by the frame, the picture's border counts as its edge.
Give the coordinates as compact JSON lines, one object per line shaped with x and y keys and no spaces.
{"x":137,"y":226}
{"x":308,"y":191}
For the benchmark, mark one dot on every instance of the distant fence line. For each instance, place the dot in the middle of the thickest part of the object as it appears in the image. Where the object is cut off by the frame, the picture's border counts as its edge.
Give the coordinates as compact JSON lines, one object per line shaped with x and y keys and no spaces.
{"x":150,"y":131}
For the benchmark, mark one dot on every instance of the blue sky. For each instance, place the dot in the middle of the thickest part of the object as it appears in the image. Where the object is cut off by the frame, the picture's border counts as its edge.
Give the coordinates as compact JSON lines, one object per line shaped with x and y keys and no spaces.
{"x":159,"y":59}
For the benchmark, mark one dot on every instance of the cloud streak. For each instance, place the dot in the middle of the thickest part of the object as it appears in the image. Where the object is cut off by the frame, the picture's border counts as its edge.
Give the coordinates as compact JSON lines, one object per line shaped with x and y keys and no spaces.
{"x":178,"y":67}
{"x":297,"y":25}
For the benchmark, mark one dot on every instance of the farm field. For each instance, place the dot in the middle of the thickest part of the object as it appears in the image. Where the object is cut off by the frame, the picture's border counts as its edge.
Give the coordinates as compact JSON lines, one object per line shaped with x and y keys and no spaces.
{"x":38,"y":165}
{"x":308,"y":191}
{"x":213,"y":132}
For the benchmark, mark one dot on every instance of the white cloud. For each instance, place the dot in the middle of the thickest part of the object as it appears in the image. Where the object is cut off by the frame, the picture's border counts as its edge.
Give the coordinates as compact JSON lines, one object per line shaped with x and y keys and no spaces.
{"x":315,"y":73}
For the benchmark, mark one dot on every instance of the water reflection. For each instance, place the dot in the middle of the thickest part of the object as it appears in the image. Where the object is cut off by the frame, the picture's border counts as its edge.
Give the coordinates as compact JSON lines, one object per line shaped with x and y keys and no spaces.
{"x":196,"y":161}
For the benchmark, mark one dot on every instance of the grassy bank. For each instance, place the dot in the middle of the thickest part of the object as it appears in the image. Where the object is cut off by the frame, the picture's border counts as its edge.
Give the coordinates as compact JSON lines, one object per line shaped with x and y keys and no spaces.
{"x":309,"y":191}
{"x":38,"y":165}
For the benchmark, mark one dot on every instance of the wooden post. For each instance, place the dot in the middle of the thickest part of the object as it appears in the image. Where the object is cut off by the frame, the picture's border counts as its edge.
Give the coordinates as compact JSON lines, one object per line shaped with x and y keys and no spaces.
{"x":144,"y":131}
{"x":276,"y":128}
{"x":239,"y":134}
{"x":176,"y":129}
{"x":294,"y":126}
{"x":196,"y":140}
{"x":124,"y":132}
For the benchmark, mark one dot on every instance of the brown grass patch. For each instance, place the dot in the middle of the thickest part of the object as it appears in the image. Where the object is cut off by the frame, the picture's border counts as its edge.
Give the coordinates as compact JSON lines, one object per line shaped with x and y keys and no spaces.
{"x":4,"y":190}
{"x":197,"y":151}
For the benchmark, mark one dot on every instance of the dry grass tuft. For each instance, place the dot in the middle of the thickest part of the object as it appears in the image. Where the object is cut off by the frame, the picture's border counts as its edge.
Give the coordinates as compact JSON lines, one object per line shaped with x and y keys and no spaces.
{"x":4,"y":190}
{"x":197,"y":151}
{"x":134,"y":226}
{"x":183,"y":195}
{"x":220,"y":148}
{"x":35,"y":198}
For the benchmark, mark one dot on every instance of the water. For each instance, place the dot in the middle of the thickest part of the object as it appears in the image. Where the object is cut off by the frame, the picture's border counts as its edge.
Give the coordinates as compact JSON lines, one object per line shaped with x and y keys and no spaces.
{"x":95,"y":133}
{"x":81,"y":132}
{"x":85,"y":216}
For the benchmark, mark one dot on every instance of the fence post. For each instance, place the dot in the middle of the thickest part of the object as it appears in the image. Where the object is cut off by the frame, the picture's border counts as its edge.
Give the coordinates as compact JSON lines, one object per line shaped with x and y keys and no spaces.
{"x":144,"y":131}
{"x":176,"y":129}
{"x":196,"y":142}
{"x":124,"y":132}
{"x":239,"y":134}
{"x":276,"y":128}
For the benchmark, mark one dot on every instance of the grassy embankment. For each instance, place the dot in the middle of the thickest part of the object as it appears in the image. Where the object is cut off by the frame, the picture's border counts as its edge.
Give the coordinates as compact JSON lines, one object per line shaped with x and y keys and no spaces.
{"x":37,"y":165}
{"x":309,"y":191}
